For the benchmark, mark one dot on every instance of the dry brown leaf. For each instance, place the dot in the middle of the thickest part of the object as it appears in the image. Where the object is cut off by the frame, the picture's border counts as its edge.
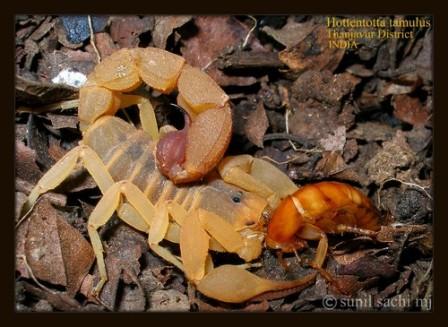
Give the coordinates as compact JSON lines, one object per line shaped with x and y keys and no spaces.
{"x":290,"y":34}
{"x":410,"y":110}
{"x":55,"y":150}
{"x":313,"y":121}
{"x":370,"y":266}
{"x":350,"y":174}
{"x":104,"y":44}
{"x":132,"y":299}
{"x":372,"y":131}
{"x":330,"y":164}
{"x":63,"y":121}
{"x":312,"y":52}
{"x":420,"y":58}
{"x":43,"y":29}
{"x":122,"y":261}
{"x":390,"y":88}
{"x":164,"y":27}
{"x":33,"y":94}
{"x":347,"y":284}
{"x":59,"y":300}
{"x":360,"y":70}
{"x":55,"y":251}
{"x":20,"y":238}
{"x":31,"y":50}
{"x":215,"y":35}
{"x":26,"y":167}
{"x":350,"y":150}
{"x":323,"y":86}
{"x":72,"y":60}
{"x":125,"y":30}
{"x":256,"y":125}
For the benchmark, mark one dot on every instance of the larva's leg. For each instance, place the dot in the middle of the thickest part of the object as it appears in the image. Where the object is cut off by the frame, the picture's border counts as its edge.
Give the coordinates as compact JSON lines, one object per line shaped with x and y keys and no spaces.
{"x":311,"y":232}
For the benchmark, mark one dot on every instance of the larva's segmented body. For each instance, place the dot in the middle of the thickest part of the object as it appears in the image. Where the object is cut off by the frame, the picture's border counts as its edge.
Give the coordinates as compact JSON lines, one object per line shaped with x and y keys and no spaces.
{"x":327,"y":207}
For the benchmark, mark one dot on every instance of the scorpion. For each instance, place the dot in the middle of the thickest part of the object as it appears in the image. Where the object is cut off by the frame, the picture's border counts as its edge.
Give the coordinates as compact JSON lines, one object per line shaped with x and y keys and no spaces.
{"x":175,"y":185}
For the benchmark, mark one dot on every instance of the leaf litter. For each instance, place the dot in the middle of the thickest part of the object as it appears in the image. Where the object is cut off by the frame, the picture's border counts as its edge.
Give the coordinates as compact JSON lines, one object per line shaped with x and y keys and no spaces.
{"x":362,"y":116}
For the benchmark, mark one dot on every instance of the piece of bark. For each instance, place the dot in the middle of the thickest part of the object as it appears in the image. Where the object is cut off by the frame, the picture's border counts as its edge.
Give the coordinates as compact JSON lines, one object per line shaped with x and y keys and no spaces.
{"x":241,"y":60}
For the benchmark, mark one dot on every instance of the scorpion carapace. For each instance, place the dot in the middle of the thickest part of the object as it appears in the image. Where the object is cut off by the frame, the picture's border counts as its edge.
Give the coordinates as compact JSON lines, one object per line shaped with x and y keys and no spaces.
{"x":316,"y":209}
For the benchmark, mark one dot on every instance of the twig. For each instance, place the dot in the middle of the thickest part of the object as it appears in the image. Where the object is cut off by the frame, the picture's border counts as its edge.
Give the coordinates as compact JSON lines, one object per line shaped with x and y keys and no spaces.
{"x":280,"y":162}
{"x":287,"y":113}
{"x":246,"y":39}
{"x":92,"y":39}
{"x":209,"y":64}
{"x":426,"y":274}
{"x":418,"y":187}
{"x":30,"y":271}
{"x":60,"y":105}
{"x":424,"y":277}
{"x":291,"y":138}
{"x":27,"y":214}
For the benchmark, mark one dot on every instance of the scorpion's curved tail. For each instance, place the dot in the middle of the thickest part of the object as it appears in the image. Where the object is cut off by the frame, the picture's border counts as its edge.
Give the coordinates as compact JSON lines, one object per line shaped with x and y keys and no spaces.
{"x":233,"y":284}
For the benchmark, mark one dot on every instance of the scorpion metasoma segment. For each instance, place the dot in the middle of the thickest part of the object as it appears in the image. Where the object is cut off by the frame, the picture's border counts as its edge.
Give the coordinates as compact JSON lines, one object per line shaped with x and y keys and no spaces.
{"x":182,"y":156}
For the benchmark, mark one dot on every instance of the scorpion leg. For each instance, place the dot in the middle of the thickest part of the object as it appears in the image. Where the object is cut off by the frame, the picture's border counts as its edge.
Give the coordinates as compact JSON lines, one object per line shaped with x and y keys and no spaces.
{"x":173,"y":234}
{"x":65,"y":166}
{"x":194,"y":246}
{"x":146,"y":110}
{"x":99,"y":217}
{"x":109,"y":203}
{"x":129,"y":215}
{"x":247,"y":248}
{"x":258,"y":176}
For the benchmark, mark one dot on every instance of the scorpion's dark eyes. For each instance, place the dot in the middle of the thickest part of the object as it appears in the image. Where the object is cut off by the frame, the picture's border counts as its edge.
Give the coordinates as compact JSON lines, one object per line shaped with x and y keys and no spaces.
{"x":237,"y":197}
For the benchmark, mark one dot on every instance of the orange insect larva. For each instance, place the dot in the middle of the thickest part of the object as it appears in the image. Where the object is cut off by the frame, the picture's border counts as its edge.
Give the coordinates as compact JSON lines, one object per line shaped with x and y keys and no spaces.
{"x":328,"y":207}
